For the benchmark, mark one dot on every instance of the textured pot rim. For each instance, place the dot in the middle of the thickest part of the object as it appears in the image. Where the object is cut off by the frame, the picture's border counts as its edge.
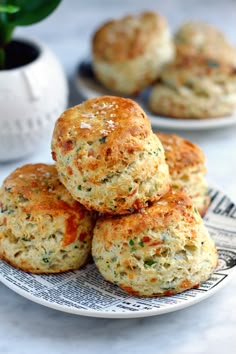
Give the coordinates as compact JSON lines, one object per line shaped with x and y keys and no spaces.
{"x":42,"y":47}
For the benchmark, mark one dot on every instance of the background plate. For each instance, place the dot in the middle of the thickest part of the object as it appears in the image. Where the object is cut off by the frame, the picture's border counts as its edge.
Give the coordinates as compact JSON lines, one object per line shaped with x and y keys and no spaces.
{"x":85,"y":292}
{"x":89,"y":87}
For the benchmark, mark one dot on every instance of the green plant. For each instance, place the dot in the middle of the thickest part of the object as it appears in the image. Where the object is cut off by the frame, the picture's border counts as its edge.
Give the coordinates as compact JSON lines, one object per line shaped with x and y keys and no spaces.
{"x":15,"y":13}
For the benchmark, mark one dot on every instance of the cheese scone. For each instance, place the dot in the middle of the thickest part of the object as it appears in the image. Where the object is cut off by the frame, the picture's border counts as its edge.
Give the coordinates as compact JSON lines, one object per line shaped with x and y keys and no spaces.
{"x":42,"y":229}
{"x":162,"y":250}
{"x":187,"y":167}
{"x":108,"y":157}
{"x":129,"y":53}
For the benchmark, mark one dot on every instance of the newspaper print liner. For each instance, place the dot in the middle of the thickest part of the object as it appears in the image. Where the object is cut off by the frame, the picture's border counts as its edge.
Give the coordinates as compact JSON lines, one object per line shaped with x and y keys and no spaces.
{"x":85,"y":292}
{"x":89,"y":87}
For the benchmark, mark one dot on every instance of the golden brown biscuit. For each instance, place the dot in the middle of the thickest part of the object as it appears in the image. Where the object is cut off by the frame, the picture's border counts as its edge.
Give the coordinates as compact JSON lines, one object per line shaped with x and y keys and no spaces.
{"x":162,"y":250}
{"x":108,"y":157}
{"x":187,"y":167}
{"x":129,"y":53}
{"x":195,"y":89}
{"x":42,"y":229}
{"x":201,"y":40}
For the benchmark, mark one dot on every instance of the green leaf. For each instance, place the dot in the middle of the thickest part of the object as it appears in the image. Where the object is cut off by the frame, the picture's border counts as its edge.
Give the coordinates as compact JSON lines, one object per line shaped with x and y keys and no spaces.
{"x":9,"y":9}
{"x":31,"y":11}
{"x":2,"y":58}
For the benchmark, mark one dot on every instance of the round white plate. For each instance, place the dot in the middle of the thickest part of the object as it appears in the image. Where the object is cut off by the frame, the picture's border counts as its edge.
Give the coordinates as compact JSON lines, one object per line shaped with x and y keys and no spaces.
{"x":85,"y":292}
{"x":89,"y":87}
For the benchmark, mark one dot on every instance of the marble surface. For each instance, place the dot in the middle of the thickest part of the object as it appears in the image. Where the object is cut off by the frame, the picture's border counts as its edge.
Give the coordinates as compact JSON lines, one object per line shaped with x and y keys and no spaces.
{"x":205,"y":328}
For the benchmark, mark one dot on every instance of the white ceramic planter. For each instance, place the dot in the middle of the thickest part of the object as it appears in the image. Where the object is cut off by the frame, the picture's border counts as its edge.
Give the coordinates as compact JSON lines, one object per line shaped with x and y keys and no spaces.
{"x":31,"y":99}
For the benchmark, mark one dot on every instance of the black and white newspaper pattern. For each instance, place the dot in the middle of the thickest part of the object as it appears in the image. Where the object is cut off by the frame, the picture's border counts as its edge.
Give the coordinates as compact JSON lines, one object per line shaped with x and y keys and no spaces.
{"x":85,"y":290}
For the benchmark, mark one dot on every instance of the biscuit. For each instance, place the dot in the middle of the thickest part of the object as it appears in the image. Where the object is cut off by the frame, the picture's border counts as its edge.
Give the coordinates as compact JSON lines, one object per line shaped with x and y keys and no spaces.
{"x":201,"y":40}
{"x":129,"y":53}
{"x":187,"y":167}
{"x":194,"y":89}
{"x":108,"y":157}
{"x":42,"y":229}
{"x":162,"y":250}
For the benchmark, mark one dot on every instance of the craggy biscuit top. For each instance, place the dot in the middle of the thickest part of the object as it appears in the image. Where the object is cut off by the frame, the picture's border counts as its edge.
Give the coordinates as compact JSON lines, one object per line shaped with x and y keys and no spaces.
{"x":128,"y":37}
{"x":199,"y":39}
{"x":181,"y":153}
{"x":108,"y":157}
{"x":161,"y":250}
{"x":35,"y":189}
{"x":37,"y":186}
{"x":172,"y":206}
{"x":103,"y":128}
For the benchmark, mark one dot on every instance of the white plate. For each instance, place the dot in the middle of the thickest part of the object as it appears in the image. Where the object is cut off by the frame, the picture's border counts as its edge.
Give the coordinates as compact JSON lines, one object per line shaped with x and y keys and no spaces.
{"x":85,"y":292}
{"x":89,"y":87}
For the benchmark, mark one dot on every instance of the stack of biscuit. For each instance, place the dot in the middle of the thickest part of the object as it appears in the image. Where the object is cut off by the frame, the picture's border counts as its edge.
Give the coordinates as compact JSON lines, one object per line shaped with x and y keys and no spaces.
{"x":201,"y":81}
{"x":148,"y":238}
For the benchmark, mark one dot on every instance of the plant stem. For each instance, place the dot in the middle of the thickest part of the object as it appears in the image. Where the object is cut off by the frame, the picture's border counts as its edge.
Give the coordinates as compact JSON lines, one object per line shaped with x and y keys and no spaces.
{"x":2,"y":58}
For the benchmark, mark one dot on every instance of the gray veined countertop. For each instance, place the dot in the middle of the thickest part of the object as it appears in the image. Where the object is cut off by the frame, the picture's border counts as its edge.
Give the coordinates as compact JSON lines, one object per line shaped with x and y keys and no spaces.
{"x":208,"y":327}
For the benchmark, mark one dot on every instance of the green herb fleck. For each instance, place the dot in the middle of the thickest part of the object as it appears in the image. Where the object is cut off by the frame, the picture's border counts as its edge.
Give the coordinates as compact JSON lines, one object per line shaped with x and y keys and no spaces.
{"x":76,"y":246}
{"x":22,"y":198}
{"x":130,"y":189}
{"x":103,"y":140}
{"x":79,"y":187}
{"x":131,"y":242}
{"x":45,"y":260}
{"x":212,"y":63}
{"x":149,"y":262}
{"x":25,"y":239}
{"x":141,"y":244}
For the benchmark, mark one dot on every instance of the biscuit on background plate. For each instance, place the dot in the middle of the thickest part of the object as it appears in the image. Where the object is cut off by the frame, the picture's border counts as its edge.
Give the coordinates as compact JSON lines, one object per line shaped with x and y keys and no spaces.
{"x":129,"y":53}
{"x":42,"y":229}
{"x":202,"y":40}
{"x":194,"y":89}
